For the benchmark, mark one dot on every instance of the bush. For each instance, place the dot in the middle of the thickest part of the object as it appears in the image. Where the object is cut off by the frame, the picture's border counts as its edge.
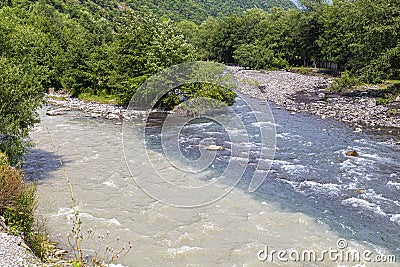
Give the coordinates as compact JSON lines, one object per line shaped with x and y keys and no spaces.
{"x":391,"y":93}
{"x":345,"y":82}
{"x":12,"y":186}
{"x":225,"y":96}
{"x":384,"y":100}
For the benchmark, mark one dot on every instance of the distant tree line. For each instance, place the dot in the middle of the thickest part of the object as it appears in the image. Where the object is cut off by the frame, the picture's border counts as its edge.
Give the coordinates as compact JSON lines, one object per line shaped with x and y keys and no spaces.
{"x":361,"y":36}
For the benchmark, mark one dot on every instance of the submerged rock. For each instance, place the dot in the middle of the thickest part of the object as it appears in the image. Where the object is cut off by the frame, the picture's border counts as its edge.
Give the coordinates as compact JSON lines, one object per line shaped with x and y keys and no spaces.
{"x":215,"y":148}
{"x":360,"y":191}
{"x":352,"y":153}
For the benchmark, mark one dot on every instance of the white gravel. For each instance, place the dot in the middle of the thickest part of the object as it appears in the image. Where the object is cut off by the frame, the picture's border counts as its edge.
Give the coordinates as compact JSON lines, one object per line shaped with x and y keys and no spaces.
{"x":14,"y":254}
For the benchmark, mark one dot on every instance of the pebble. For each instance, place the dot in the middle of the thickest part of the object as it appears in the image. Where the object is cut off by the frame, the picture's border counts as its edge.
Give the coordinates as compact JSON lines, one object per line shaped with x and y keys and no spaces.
{"x":93,"y":109}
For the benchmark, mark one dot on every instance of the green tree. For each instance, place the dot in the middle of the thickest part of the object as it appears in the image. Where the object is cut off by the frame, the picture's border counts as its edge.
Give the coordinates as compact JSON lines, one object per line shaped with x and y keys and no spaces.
{"x":21,"y":93}
{"x":258,"y":57}
{"x":143,"y":47}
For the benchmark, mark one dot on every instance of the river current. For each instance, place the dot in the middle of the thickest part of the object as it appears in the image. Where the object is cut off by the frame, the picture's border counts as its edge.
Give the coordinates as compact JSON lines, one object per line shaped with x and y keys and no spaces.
{"x":313,"y":195}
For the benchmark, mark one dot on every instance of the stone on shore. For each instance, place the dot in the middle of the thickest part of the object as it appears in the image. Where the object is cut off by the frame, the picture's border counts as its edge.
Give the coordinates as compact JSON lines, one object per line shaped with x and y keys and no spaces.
{"x":310,"y":94}
{"x":13,"y":252}
{"x":56,"y":112}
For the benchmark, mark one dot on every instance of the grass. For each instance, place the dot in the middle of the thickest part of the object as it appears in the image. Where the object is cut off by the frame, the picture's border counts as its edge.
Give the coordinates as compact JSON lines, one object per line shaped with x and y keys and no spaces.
{"x":311,"y":71}
{"x":384,"y":100}
{"x":394,"y":81}
{"x":389,"y":83}
{"x":101,"y":99}
{"x":392,"y":92}
{"x":346,"y":82}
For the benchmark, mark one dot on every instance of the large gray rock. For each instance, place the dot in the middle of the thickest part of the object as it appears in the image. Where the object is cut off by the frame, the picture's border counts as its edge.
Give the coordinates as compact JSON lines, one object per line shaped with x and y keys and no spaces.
{"x":56,"y":112}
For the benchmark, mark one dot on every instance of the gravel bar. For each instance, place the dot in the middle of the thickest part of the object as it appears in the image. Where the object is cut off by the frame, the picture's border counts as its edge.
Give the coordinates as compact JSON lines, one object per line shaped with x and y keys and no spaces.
{"x":309,"y":94}
{"x":14,"y":252}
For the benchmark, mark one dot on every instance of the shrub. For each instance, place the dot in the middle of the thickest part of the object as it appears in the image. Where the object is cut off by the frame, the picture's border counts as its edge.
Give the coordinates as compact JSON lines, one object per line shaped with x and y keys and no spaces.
{"x":345,"y":82}
{"x":384,"y":100}
{"x":258,"y":57}
{"x":12,"y":185}
{"x":21,"y":94}
{"x":391,"y":93}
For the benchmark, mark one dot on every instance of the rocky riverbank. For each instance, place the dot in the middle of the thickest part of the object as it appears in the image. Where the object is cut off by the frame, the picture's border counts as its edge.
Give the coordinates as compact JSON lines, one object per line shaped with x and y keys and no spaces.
{"x":309,"y":94}
{"x":295,"y":92}
{"x":91,"y":109}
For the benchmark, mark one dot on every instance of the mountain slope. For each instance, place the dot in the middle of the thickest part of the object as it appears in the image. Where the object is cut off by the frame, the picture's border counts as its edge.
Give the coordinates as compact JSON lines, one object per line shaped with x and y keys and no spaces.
{"x":193,"y":10}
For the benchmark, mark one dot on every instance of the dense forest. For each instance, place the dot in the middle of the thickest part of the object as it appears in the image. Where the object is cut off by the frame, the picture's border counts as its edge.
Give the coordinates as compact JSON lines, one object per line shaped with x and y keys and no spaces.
{"x":361,"y":36}
{"x":111,"y":47}
{"x":193,"y":10}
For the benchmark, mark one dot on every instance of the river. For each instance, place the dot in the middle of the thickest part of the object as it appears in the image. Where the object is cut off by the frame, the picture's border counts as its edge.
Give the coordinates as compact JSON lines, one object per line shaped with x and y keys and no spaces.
{"x":313,"y":195}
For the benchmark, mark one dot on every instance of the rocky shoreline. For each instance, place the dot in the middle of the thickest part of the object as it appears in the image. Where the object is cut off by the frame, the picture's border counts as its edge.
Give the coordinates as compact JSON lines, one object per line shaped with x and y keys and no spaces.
{"x":309,"y":94}
{"x":297,"y":93}
{"x":91,"y":109}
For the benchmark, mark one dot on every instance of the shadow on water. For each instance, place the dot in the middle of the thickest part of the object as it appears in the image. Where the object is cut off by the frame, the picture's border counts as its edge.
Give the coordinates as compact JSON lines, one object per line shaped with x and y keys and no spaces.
{"x":39,"y":164}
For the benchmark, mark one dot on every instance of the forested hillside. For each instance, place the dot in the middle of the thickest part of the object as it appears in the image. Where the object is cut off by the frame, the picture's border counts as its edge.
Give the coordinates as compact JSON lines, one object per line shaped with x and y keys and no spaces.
{"x":192,"y":10}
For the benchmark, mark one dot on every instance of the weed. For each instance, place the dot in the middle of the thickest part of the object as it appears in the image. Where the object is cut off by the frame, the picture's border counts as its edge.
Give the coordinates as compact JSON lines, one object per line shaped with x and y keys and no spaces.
{"x":104,"y":254}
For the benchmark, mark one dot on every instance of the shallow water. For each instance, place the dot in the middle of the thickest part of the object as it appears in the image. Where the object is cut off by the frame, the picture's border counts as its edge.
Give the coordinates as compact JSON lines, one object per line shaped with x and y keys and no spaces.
{"x":307,"y":201}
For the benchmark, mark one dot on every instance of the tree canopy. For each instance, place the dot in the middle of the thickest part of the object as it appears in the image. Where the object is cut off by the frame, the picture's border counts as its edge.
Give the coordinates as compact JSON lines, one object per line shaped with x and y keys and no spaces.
{"x":361,"y":36}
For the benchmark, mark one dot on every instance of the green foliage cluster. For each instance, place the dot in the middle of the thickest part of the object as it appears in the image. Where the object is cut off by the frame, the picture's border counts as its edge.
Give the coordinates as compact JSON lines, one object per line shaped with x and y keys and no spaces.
{"x":258,"y":57}
{"x":20,"y":95}
{"x":199,"y":90}
{"x":360,"y":36}
{"x":390,"y":94}
{"x":345,"y":82}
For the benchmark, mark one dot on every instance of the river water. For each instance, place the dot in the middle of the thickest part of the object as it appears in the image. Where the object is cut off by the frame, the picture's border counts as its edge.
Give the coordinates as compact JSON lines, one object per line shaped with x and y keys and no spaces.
{"x":312,"y":196}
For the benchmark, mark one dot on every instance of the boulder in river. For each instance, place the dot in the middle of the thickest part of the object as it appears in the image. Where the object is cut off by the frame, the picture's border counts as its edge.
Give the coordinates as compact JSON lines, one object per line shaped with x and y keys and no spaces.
{"x":352,"y":153}
{"x":360,"y":191}
{"x":215,"y":147}
{"x":56,"y":112}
